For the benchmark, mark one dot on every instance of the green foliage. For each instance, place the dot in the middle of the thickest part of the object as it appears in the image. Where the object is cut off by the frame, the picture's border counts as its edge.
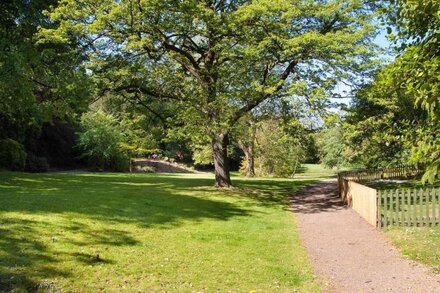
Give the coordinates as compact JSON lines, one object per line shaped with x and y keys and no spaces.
{"x":215,"y":61}
{"x":381,"y":126}
{"x":101,"y":141}
{"x":12,"y":155}
{"x":279,"y":149}
{"x":418,"y":36}
{"x":427,"y":150}
{"x":110,"y":141}
{"x":331,"y":146}
{"x":138,"y":140}
{"x":37,"y":83}
{"x":395,"y":119}
{"x":178,"y":149}
{"x":203,"y":155}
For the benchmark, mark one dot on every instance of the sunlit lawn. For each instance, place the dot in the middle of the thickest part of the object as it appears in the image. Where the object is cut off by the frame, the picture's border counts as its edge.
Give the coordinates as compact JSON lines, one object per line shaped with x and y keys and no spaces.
{"x":314,"y":171}
{"x":84,"y":232}
{"x":419,"y":244}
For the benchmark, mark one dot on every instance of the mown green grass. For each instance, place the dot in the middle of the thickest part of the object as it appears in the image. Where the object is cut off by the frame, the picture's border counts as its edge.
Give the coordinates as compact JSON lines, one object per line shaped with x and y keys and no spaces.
{"x":86,"y":232}
{"x":313,"y":171}
{"x":419,"y":244}
{"x":408,"y":184}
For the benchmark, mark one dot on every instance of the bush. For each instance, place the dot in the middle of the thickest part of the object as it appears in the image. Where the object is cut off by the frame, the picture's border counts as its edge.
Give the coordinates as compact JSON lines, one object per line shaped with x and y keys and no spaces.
{"x":36,"y":164}
{"x":101,"y":141}
{"x":12,"y":155}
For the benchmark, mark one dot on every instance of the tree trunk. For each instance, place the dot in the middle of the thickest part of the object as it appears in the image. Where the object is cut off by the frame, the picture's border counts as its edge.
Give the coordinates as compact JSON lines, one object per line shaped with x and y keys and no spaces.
{"x":221,"y":161}
{"x":248,"y":150}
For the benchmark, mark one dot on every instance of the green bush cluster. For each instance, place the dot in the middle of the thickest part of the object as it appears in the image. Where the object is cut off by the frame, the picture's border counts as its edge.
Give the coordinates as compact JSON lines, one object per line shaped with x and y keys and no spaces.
{"x":12,"y":155}
{"x":101,"y":139}
{"x":110,"y":141}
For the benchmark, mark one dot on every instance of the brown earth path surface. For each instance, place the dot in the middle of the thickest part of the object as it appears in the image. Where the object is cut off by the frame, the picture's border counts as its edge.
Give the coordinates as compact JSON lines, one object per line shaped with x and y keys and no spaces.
{"x":347,"y":253}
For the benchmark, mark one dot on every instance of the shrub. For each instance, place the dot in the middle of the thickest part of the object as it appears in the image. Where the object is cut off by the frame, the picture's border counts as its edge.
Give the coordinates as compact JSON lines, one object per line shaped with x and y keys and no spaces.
{"x":12,"y":155}
{"x":101,"y":139}
{"x":36,"y":164}
{"x":202,"y":155}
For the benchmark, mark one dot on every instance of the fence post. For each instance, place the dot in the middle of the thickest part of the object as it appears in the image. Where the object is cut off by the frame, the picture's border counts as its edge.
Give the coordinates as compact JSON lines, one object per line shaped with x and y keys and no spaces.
{"x":379,"y":209}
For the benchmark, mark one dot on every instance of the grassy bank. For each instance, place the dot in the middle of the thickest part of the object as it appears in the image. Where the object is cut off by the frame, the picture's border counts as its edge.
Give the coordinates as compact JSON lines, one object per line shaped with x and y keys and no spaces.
{"x":402,"y":184}
{"x":419,"y":244}
{"x":88,"y":232}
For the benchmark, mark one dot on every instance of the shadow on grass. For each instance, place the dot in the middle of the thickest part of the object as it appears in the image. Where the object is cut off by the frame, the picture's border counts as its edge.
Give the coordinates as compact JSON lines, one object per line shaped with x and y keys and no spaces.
{"x":143,"y":200}
{"x":20,"y":249}
{"x":28,"y":228}
{"x":271,"y":192}
{"x":80,"y":200}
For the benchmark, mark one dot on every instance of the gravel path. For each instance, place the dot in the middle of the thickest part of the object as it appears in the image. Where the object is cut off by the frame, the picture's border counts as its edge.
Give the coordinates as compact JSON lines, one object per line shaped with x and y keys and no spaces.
{"x":348,"y":254}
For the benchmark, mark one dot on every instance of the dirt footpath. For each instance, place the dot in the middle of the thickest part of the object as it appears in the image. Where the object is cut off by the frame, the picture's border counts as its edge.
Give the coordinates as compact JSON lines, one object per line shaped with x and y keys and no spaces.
{"x":348,"y":254}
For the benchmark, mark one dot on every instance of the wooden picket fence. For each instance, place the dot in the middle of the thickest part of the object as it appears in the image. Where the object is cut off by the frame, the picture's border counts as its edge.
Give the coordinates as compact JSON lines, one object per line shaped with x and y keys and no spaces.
{"x":402,"y":172}
{"x":409,"y":207}
{"x":399,"y":207}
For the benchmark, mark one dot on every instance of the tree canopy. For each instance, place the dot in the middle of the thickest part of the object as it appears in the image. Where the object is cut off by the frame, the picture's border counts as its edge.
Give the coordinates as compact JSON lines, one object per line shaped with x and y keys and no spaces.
{"x":36,"y":82}
{"x":416,"y":26}
{"x":217,"y":60}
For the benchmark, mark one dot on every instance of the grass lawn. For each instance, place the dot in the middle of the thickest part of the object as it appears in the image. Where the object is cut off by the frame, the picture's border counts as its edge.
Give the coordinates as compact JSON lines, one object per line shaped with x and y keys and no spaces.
{"x":318,"y":171}
{"x":87,"y":232}
{"x":402,"y":184}
{"x":419,"y":244}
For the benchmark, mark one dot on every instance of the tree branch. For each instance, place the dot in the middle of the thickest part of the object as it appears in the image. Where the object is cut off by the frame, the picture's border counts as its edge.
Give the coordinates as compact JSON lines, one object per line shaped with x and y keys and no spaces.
{"x":143,"y":104}
{"x":150,"y":92}
{"x":257,"y":101}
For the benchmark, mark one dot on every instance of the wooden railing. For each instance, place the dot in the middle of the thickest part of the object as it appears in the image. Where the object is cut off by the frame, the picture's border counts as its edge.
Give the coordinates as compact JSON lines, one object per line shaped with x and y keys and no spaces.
{"x":363,"y":200}
{"x":409,"y":207}
{"x":403,"y":172}
{"x":402,"y":207}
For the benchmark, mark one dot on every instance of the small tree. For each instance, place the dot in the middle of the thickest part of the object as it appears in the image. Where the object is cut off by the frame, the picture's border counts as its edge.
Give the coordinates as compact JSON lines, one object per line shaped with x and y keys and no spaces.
{"x":279,"y":148}
{"x":331,"y":146}
{"x":101,"y":141}
{"x":245,"y":132}
{"x":137,"y":141}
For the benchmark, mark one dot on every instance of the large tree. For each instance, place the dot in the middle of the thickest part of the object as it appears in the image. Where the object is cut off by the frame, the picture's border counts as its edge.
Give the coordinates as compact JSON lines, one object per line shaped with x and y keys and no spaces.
{"x":380,"y":126}
{"x":416,"y":34}
{"x":217,"y":59}
{"x":414,"y":26}
{"x":36,"y":82}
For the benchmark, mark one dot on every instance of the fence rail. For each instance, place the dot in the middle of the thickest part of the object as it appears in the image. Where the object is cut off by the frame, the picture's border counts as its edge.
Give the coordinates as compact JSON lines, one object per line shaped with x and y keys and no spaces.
{"x":400,"y":207}
{"x":403,"y":172}
{"x":409,"y":207}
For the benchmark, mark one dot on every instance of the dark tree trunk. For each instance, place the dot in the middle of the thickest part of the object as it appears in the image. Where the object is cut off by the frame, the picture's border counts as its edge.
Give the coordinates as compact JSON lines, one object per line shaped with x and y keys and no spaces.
{"x":221,"y":161}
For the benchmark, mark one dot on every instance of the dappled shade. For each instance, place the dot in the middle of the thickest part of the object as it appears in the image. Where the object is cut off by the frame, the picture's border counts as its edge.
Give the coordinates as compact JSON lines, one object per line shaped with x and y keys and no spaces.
{"x":318,"y":198}
{"x":52,"y":225}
